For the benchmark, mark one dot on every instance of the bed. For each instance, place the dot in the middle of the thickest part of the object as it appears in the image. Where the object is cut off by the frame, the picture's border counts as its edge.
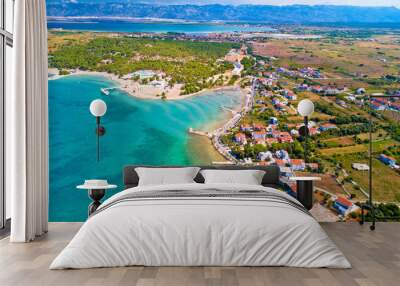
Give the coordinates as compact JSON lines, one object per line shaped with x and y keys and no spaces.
{"x":198,"y":224}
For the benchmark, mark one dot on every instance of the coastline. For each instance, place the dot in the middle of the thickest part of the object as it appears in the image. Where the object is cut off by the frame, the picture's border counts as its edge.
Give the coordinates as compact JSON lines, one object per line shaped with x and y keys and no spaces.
{"x":137,"y":90}
{"x":142,"y":131}
{"x":214,"y":150}
{"x":213,"y":131}
{"x":149,"y":20}
{"x":231,"y":121}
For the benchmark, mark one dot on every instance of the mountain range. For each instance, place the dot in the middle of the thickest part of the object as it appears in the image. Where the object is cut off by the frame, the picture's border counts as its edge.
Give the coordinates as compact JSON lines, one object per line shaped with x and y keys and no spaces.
{"x":291,"y":14}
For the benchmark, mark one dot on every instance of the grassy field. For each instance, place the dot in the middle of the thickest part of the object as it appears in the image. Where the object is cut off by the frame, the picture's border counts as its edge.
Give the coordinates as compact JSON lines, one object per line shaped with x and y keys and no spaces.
{"x":337,"y":57}
{"x":378,"y":146}
{"x":392,"y":115}
{"x":344,"y":141}
{"x":375,"y":136}
{"x":386,"y":182}
{"x":57,"y":40}
{"x":359,"y":195}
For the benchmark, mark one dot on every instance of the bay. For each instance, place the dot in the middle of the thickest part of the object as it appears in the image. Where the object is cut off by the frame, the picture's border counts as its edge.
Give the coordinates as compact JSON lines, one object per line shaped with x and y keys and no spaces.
{"x":147,"y":132}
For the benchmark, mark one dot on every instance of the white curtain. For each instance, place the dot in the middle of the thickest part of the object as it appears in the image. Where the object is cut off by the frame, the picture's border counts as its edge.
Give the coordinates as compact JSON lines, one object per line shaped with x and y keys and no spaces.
{"x":27,"y":124}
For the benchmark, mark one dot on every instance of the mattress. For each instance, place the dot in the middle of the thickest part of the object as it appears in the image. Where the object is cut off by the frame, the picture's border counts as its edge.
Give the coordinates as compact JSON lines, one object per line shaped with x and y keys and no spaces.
{"x":201,"y":225}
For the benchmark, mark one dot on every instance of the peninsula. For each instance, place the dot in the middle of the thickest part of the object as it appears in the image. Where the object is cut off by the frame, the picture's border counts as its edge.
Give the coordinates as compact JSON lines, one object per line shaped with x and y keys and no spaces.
{"x":148,"y":68}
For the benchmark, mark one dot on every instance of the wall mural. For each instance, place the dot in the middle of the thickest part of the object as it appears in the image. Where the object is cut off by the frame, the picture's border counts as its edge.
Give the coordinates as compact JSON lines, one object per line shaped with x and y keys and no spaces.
{"x":182,"y":92}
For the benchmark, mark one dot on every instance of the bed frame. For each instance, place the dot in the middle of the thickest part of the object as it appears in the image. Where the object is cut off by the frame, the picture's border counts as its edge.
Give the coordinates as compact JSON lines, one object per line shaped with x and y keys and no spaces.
{"x":271,"y":177}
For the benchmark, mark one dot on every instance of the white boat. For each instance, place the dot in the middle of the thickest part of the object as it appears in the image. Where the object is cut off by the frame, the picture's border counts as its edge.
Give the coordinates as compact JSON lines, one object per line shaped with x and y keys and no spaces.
{"x":105,"y":91}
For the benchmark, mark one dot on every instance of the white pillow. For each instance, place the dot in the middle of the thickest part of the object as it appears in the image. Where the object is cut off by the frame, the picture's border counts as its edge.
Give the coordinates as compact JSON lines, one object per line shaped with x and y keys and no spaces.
{"x":247,"y":177}
{"x":166,"y":176}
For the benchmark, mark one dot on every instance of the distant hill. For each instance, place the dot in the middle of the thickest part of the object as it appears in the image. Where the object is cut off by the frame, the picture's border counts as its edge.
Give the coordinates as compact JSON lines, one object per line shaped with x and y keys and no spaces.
{"x":293,"y":14}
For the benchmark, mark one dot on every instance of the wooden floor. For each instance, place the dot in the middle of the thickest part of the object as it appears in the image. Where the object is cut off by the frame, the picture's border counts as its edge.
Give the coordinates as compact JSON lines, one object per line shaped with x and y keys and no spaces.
{"x":375,"y":257}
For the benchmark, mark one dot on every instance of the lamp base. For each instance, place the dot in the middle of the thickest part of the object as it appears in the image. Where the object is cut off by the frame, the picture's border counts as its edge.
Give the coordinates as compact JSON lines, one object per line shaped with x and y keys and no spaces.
{"x":305,"y":193}
{"x":96,"y":196}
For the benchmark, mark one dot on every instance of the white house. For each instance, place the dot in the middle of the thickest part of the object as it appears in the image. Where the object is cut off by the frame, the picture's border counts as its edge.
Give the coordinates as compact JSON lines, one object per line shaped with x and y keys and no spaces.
{"x":265,"y":156}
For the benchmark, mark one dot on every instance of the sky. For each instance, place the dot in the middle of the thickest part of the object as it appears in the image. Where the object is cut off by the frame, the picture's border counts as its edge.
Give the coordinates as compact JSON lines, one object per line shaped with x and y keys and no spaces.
{"x":395,"y":3}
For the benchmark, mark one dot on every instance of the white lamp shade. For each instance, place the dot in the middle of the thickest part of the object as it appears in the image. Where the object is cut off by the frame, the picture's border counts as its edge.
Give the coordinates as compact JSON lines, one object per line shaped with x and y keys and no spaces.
{"x":98,"y":107}
{"x":305,"y":107}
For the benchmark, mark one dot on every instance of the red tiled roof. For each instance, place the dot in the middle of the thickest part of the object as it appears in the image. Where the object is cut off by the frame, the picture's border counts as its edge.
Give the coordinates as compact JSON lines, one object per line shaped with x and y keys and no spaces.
{"x":345,"y":202}
{"x":328,"y":125}
{"x":376,"y":104}
{"x":286,"y":139}
{"x":271,"y":140}
{"x":280,"y":162}
{"x":388,"y":157}
{"x":297,"y":162}
{"x":240,"y":135}
{"x":395,"y":105}
{"x":284,"y":134}
{"x":384,"y":100}
{"x":259,"y":125}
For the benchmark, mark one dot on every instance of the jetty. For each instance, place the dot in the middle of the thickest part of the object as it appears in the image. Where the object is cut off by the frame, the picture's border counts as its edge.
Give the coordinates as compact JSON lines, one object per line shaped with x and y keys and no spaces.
{"x":200,"y":133}
{"x":228,"y":109}
{"x":223,"y":163}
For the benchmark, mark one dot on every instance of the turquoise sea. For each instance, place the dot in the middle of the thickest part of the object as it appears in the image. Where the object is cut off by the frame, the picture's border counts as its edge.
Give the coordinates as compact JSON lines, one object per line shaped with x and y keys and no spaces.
{"x":138,"y":131}
{"x":151,"y":27}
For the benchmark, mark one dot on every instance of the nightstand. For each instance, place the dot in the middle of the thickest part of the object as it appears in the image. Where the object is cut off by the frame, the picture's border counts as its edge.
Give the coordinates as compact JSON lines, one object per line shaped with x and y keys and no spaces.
{"x":96,"y":191}
{"x":305,"y":190}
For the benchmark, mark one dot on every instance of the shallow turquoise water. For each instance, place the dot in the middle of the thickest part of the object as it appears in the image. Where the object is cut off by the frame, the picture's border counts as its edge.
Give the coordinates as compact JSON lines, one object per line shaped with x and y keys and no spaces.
{"x":137,"y":132}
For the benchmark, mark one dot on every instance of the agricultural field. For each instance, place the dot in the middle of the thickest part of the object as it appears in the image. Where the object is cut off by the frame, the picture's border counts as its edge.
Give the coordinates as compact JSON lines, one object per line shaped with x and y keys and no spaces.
{"x":339,"y":141}
{"x":345,"y":63}
{"x":339,"y":58}
{"x":386,"y":183}
{"x":58,"y":39}
{"x":377,"y":146}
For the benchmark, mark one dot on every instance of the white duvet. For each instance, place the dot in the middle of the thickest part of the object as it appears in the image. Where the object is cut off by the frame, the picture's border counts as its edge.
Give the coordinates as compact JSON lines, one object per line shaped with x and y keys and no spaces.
{"x":200,"y":232}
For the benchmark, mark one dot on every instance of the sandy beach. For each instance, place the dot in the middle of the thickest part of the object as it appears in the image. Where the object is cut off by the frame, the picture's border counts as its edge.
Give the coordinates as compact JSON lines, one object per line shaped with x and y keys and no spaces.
{"x":136,"y":89}
{"x":212,"y":152}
